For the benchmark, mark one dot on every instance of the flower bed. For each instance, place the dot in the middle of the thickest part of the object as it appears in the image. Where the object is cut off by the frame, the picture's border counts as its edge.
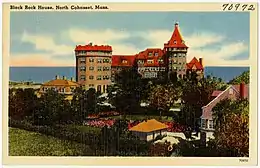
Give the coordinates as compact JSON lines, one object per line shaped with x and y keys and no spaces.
{"x":100,"y":123}
{"x":174,"y":127}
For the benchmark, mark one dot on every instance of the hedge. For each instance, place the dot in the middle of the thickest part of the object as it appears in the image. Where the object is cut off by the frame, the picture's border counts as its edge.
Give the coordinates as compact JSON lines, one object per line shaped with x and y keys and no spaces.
{"x":98,"y":142}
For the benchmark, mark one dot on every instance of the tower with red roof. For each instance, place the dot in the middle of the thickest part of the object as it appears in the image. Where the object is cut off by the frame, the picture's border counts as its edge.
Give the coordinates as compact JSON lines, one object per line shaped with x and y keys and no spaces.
{"x":176,"y":51}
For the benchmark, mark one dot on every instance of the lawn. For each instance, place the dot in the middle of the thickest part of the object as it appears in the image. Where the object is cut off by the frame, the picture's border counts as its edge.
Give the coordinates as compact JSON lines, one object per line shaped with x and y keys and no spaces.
{"x":25,"y":143}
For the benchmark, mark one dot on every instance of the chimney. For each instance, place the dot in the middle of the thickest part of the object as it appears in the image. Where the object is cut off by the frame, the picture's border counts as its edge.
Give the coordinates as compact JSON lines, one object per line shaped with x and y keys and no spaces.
{"x":200,"y":60}
{"x":242,"y":90}
{"x":57,"y":77}
{"x":72,"y":79}
{"x":64,"y":78}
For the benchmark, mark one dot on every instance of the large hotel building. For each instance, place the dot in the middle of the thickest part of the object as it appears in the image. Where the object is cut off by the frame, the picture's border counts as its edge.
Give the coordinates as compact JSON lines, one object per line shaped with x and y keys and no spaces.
{"x":96,"y":66}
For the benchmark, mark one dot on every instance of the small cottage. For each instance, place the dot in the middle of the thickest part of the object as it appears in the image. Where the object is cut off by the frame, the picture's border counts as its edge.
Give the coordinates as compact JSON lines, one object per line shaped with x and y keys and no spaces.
{"x":148,"y":130}
{"x":233,"y":92}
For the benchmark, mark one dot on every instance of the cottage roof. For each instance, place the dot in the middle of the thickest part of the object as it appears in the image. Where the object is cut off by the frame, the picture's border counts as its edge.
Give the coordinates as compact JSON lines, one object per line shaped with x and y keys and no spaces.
{"x":60,"y":82}
{"x":149,"y":126}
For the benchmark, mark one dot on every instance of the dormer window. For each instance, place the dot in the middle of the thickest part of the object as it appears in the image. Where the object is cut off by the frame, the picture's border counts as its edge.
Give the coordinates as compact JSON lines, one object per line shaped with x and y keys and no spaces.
{"x":150,"y":61}
{"x":160,"y":61}
{"x":124,"y":61}
{"x":140,"y":62}
{"x":150,"y":54}
{"x":156,"y":54}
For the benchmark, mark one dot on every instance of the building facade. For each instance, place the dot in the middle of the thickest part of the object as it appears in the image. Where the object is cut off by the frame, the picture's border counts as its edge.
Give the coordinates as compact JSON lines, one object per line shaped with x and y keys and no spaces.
{"x":93,"y":66}
{"x":96,"y":67}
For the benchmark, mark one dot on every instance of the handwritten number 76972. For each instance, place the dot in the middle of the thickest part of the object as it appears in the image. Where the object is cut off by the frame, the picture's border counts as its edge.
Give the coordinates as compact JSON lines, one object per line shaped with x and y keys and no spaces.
{"x":238,"y":7}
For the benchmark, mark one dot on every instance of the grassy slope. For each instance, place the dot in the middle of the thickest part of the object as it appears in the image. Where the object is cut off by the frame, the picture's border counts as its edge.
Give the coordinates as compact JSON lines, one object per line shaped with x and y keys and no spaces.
{"x":25,"y":143}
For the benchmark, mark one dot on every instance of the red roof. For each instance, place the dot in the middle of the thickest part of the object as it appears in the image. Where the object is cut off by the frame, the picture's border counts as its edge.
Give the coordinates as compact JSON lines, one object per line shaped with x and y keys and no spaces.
{"x":151,"y":54}
{"x":176,"y":39}
{"x":194,"y":62}
{"x":123,"y":60}
{"x":91,"y":47}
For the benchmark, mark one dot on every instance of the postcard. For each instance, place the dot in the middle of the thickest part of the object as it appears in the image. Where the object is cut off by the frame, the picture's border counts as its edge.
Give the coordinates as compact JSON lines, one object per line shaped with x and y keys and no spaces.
{"x":130,"y":84}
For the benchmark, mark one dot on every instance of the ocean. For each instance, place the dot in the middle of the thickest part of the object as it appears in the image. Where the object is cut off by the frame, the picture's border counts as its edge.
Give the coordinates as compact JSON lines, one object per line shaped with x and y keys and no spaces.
{"x":43,"y":74}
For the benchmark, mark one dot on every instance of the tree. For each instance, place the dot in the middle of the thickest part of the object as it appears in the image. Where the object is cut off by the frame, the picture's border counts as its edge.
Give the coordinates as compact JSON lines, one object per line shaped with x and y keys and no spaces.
{"x":244,"y":77}
{"x":232,"y":127}
{"x":196,"y":94}
{"x":163,"y":97}
{"x":22,"y":103}
{"x":52,"y":109}
{"x":126,"y":94}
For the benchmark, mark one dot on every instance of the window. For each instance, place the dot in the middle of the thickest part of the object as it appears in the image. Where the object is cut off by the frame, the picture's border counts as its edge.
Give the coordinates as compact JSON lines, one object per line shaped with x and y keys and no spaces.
{"x":82,"y":60}
{"x":91,"y":59}
{"x":72,"y":89}
{"x":106,"y":77}
{"x":82,"y":77}
{"x":99,"y":77}
{"x":175,"y":55}
{"x":183,"y":54}
{"x":150,"y":61}
{"x":106,"y":68}
{"x":99,"y":68}
{"x":91,"y":68}
{"x":150,"y":54}
{"x":62,"y":90}
{"x":147,"y":75}
{"x":231,"y":91}
{"x":160,"y":61}
{"x":170,"y":49}
{"x":106,"y":60}
{"x":99,"y":60}
{"x":203,"y":123}
{"x":156,"y":54}
{"x":104,"y":88}
{"x":99,"y":88}
{"x":124,"y":61}
{"x":140,"y":61}
{"x":91,"y":85}
{"x":91,"y":77}
{"x":175,"y":42}
{"x":211,"y":124}
{"x":83,"y":68}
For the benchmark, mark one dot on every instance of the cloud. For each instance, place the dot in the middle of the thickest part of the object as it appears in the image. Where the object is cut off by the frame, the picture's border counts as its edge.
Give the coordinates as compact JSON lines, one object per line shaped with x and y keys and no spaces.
{"x":212,"y":47}
{"x":46,"y":43}
{"x":102,"y":37}
{"x":215,"y":49}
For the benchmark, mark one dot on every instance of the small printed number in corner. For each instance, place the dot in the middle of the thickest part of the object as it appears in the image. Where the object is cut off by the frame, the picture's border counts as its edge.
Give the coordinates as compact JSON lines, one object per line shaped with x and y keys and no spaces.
{"x":243,"y":160}
{"x":238,"y":7}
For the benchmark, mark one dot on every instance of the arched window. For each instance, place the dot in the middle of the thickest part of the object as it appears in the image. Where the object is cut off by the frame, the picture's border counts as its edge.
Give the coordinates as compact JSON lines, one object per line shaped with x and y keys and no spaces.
{"x":99,"y":88}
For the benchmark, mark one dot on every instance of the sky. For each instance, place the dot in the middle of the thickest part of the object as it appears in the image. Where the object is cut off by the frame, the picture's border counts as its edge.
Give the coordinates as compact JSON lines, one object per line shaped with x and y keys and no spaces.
{"x":49,"y":38}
